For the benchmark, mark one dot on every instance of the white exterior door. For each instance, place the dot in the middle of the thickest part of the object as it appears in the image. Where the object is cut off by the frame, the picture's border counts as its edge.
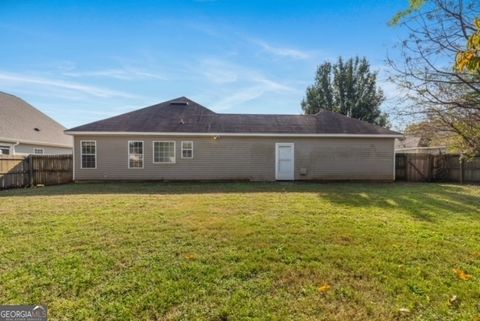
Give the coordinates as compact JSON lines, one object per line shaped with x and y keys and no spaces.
{"x":284,"y":161}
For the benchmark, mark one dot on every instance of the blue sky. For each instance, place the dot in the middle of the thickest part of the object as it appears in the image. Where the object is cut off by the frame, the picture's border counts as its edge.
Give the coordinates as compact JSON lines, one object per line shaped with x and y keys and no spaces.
{"x":80,"y":61}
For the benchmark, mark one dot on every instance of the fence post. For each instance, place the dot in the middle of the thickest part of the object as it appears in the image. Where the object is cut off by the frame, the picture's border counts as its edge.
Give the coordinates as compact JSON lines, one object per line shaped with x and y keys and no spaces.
{"x":430,"y":168}
{"x":461,"y":168}
{"x":25,"y":177}
{"x":30,"y":170}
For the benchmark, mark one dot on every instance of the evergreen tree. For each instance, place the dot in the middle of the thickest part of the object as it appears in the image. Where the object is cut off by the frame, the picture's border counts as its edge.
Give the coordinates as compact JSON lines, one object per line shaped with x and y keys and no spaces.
{"x":347,"y":87}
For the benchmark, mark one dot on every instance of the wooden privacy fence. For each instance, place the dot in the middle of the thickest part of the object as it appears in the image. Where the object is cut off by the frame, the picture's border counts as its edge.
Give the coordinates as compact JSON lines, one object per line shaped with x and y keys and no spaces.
{"x":22,"y":171}
{"x":436,"y":168}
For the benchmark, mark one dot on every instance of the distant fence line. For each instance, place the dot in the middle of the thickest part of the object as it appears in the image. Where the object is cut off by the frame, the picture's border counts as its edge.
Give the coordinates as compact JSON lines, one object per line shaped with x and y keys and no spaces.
{"x":436,"y":168}
{"x":33,"y":170}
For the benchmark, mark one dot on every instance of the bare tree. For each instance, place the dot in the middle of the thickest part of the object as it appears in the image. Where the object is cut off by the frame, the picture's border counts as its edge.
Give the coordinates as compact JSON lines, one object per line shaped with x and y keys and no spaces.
{"x":425,"y":70}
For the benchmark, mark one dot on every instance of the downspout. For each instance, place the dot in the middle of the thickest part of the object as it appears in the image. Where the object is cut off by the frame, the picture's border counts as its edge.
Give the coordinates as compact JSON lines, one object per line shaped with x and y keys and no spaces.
{"x":13,"y":147}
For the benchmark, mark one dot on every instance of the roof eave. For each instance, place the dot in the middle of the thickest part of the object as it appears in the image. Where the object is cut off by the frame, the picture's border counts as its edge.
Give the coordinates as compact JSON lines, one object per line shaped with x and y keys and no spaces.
{"x":123,"y":133}
{"x":34,"y":142}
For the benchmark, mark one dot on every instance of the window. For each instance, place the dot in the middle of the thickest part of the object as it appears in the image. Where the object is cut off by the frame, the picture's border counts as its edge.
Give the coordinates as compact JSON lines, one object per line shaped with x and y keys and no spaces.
{"x":164,"y":152}
{"x":135,"y":154}
{"x":38,"y":151}
{"x":4,"y":150}
{"x":187,"y":149}
{"x":88,"y":153}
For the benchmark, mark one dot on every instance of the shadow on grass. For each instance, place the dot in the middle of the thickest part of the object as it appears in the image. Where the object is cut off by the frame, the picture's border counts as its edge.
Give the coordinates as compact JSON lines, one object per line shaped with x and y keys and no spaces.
{"x":423,"y":201}
{"x":153,"y":187}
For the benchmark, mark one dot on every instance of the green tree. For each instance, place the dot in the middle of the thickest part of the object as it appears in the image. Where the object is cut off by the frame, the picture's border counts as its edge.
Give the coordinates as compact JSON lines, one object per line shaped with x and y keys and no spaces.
{"x":413,"y":6}
{"x":346,"y":87}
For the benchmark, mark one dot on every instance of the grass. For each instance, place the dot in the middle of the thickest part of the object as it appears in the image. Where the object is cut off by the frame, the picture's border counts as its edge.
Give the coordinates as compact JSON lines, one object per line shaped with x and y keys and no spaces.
{"x":243,"y":251}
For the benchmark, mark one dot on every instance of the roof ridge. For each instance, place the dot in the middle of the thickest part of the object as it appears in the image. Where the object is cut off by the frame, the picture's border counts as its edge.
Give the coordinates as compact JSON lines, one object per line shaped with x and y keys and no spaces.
{"x":242,"y":114}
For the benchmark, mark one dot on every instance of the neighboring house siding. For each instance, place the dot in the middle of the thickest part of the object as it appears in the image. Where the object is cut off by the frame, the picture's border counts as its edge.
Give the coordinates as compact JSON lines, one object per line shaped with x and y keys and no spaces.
{"x":47,"y":150}
{"x":243,"y":158}
{"x":27,"y":149}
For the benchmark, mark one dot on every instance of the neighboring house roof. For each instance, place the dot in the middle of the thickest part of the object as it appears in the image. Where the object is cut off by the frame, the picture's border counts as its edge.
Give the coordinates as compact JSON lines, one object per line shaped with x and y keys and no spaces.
{"x":409,"y":141}
{"x":183,"y":115}
{"x":21,"y":122}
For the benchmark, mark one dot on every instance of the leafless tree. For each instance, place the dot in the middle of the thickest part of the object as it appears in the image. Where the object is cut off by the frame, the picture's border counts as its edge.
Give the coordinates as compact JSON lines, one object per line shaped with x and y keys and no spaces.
{"x":424,"y":70}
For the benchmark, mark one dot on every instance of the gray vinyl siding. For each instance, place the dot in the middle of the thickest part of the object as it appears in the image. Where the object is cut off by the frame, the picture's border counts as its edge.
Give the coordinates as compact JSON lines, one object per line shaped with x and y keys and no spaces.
{"x":243,"y":158}
{"x":47,"y":150}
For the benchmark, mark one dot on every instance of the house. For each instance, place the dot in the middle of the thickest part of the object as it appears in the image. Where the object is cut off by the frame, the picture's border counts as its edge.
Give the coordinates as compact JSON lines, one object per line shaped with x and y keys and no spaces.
{"x":25,"y":130}
{"x":409,"y":141}
{"x":416,"y":144}
{"x":182,"y":140}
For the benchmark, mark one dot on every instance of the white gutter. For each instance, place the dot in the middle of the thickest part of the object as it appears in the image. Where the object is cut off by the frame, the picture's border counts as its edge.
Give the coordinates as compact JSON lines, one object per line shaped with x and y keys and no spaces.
{"x":87,"y":133}
{"x":33,"y":142}
{"x":420,"y":148}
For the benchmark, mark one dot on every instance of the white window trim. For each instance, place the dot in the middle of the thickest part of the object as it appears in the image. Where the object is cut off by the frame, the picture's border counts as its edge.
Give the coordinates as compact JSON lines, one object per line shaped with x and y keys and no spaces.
{"x":81,"y":154}
{"x":43,"y":151}
{"x":174,"y":151}
{"x":181,"y":149}
{"x":10,"y":149}
{"x":143,"y":154}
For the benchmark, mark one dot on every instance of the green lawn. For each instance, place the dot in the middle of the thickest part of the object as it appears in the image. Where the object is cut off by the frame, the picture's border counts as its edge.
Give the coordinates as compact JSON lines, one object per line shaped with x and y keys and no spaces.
{"x":243,"y":251}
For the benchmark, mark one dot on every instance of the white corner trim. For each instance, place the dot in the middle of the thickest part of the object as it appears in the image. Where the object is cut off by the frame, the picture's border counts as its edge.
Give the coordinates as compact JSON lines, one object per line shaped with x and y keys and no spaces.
{"x":394,"y":164}
{"x":233,"y":134}
{"x":73,"y":160}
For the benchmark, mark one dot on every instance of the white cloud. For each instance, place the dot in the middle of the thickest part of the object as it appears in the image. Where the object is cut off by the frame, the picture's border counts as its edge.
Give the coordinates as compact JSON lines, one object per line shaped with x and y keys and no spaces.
{"x":221,"y":71}
{"x":273,"y":85}
{"x":239,"y":97}
{"x":227,"y":34}
{"x":239,"y":84}
{"x":281,"y":51}
{"x":119,"y":73}
{"x":220,"y":76}
{"x":12,"y":80}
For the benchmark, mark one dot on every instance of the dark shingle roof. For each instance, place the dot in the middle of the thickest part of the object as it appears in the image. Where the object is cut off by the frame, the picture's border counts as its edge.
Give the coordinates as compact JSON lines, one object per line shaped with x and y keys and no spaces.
{"x":21,"y":122}
{"x":183,"y":115}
